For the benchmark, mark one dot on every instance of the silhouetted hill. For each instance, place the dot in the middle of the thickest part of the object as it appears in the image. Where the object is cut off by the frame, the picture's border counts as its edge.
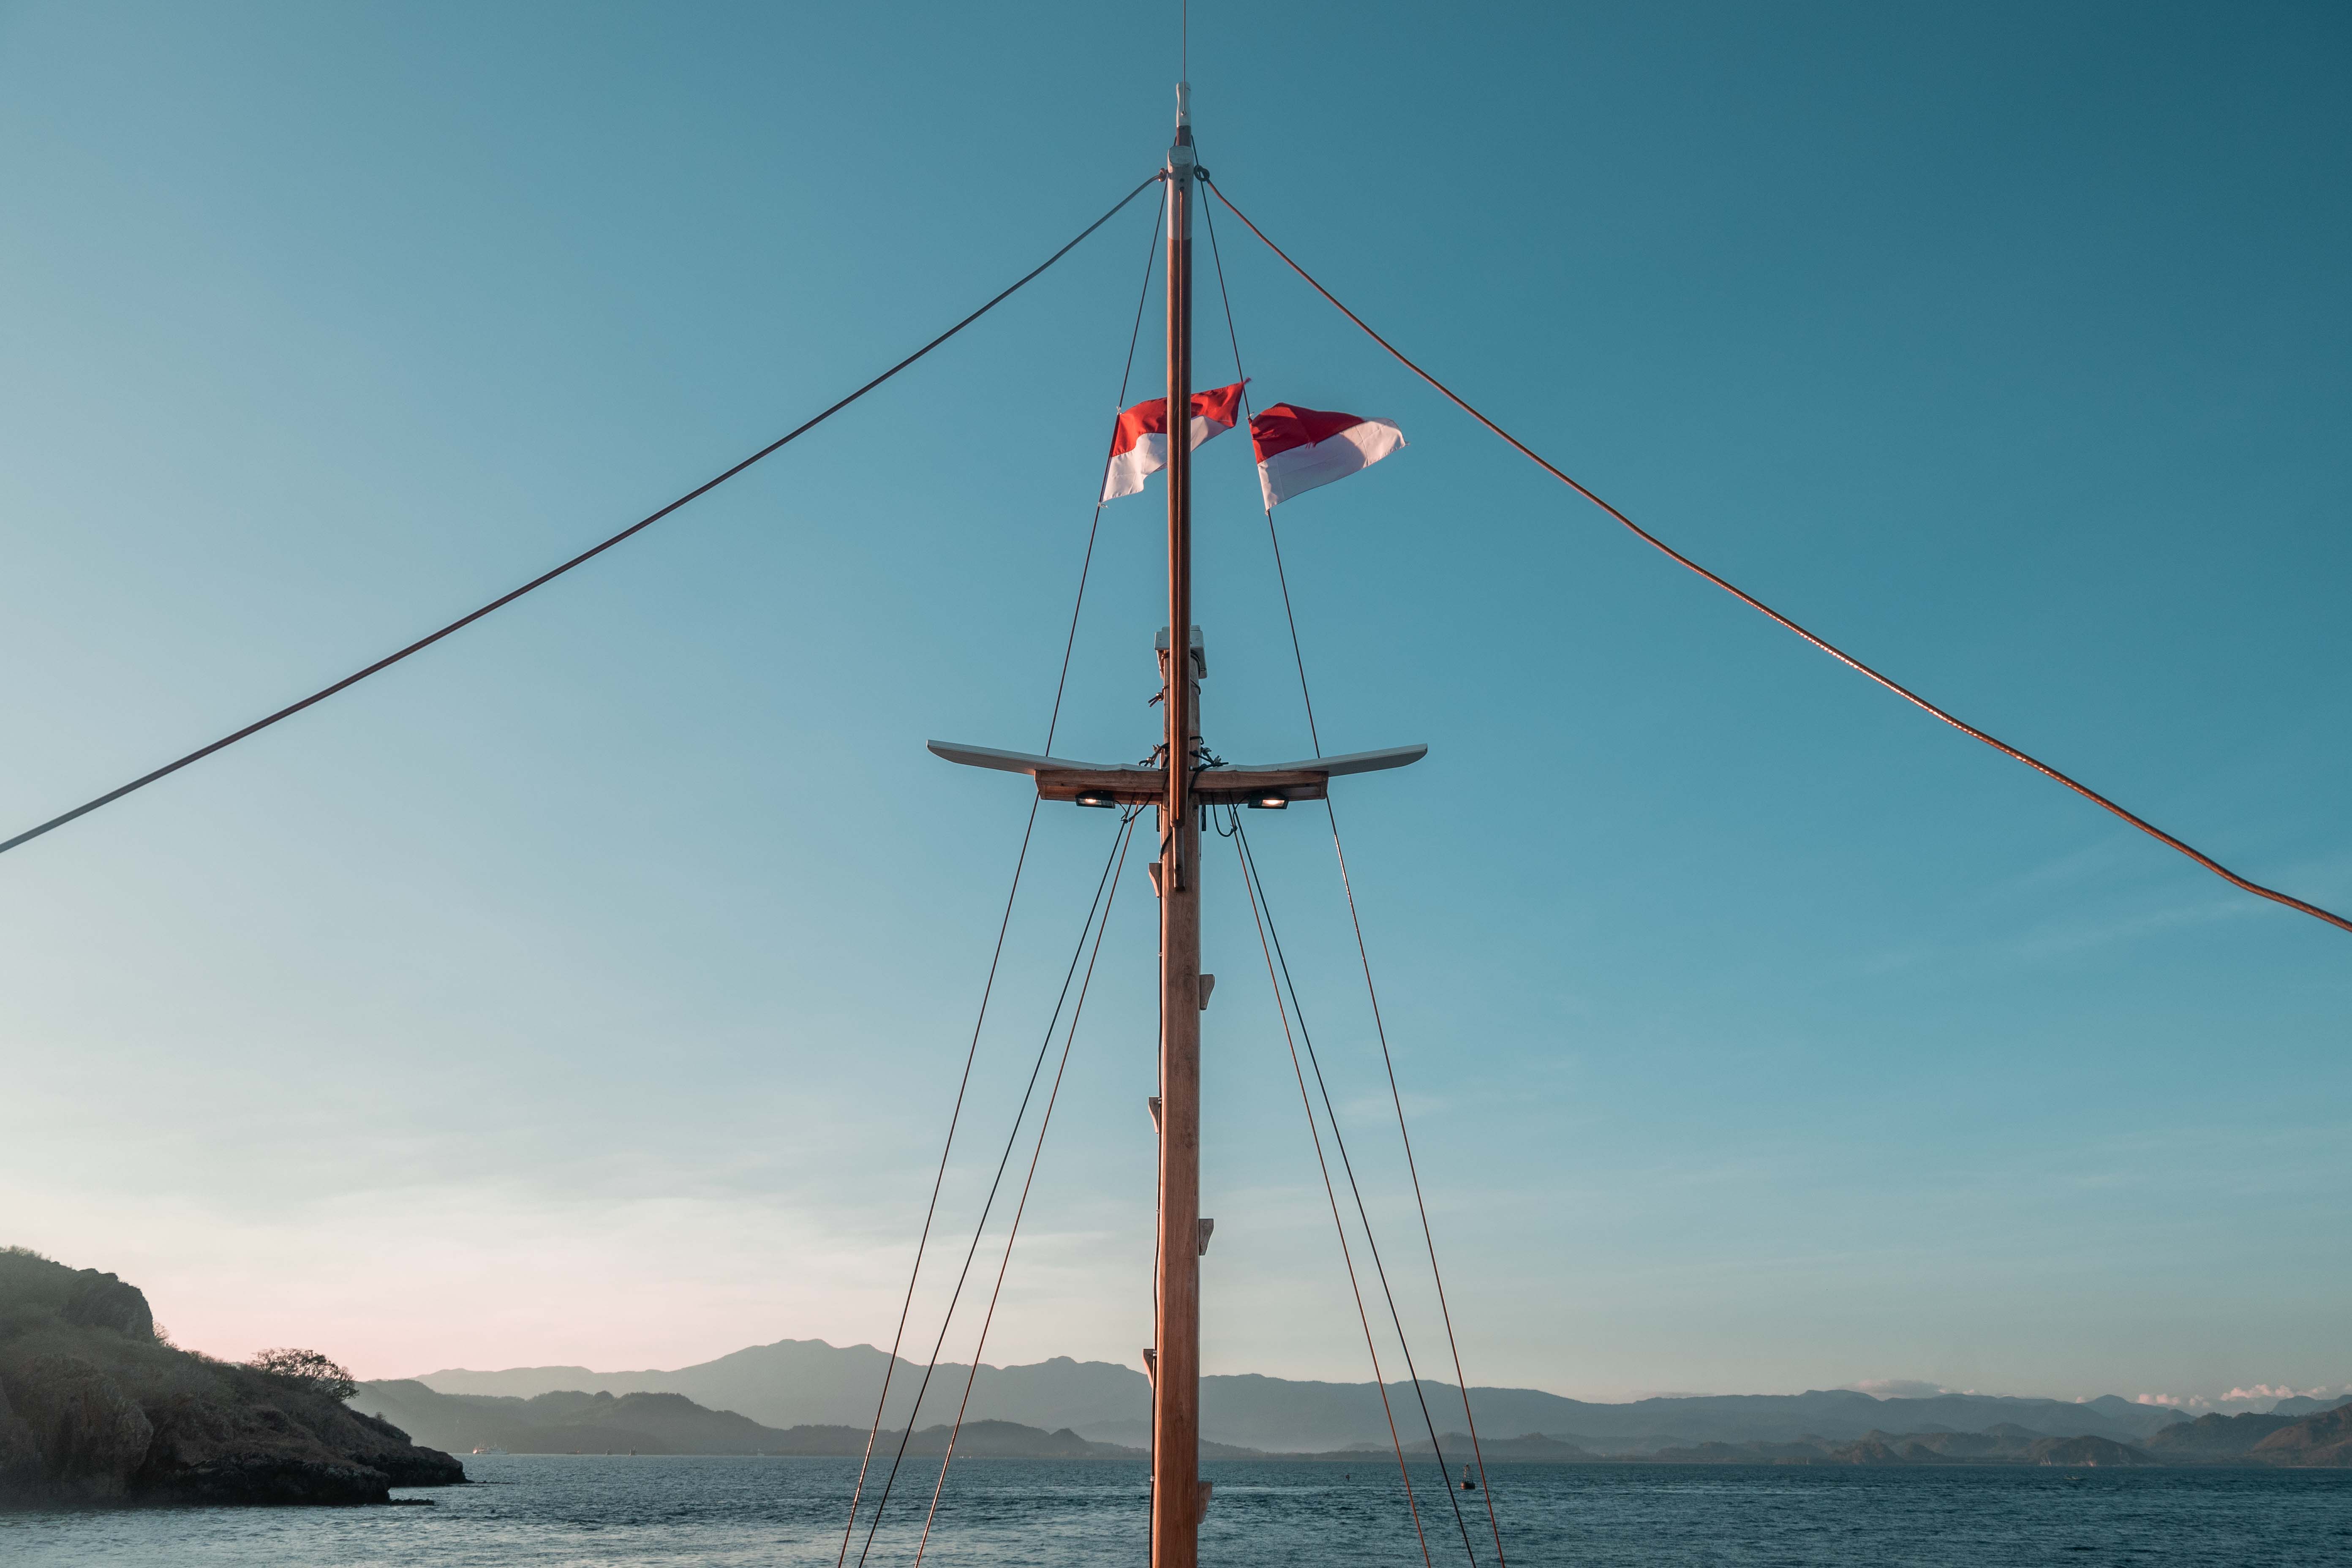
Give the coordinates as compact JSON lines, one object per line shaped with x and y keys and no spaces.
{"x":2008,"y":1445}
{"x":2321,"y":1439}
{"x":1280,"y":1414}
{"x":571,"y":1421}
{"x":96,"y":1410}
{"x":810,"y":1382}
{"x":807,"y":1382}
{"x":2214,"y":1437}
{"x":1528,"y":1447}
{"x":566,"y":1422}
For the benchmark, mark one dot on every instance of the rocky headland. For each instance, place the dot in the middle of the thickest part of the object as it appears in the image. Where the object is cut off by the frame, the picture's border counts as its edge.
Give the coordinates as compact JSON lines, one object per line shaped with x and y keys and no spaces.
{"x":98,"y":1411}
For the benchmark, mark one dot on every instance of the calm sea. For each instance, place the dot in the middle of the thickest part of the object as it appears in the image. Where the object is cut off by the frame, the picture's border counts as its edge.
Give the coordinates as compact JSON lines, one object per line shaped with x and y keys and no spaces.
{"x":600,"y":1512}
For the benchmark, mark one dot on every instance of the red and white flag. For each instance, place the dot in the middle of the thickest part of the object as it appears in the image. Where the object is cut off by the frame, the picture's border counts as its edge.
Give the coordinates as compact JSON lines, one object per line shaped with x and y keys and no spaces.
{"x":1299,"y":448}
{"x":1140,"y":444}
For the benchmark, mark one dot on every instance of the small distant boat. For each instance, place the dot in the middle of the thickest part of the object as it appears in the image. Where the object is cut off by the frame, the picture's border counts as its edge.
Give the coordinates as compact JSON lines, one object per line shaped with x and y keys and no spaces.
{"x":490,"y":1450}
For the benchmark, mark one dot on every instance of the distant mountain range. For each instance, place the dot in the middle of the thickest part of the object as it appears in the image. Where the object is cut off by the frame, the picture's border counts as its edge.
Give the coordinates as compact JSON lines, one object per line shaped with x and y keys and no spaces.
{"x":576,"y":1422}
{"x":808,"y":1382}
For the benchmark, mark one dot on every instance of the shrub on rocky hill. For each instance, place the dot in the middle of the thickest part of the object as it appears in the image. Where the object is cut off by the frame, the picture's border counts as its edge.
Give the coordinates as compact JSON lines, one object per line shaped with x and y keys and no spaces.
{"x":96,"y":1410}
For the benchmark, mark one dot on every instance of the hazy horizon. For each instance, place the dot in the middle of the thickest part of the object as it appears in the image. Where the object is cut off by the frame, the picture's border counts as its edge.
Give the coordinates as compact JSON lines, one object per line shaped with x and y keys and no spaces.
{"x":2260,"y":1397}
{"x":591,"y":989}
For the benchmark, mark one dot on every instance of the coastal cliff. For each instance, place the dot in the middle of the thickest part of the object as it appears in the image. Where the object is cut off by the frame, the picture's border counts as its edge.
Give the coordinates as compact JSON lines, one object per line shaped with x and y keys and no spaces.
{"x":96,"y":1411}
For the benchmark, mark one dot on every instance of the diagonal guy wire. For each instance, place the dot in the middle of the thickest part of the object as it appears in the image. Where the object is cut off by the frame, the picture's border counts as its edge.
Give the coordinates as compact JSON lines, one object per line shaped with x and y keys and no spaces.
{"x":421,"y":644}
{"x":1753,"y":603}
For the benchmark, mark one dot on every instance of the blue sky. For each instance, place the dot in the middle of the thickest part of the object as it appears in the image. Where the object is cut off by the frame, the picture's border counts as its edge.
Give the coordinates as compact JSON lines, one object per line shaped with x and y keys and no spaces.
{"x":591,"y":989}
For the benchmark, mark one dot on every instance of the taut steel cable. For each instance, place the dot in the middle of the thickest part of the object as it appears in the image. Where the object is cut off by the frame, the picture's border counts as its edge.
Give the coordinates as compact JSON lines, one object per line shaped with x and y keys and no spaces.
{"x":931,"y":1213}
{"x":2289,"y":900}
{"x":1346,"y":1165}
{"x":994,"y":1186}
{"x":421,"y":644}
{"x":1332,"y":1193}
{"x":1428,"y":1238}
{"x":1013,"y":1232}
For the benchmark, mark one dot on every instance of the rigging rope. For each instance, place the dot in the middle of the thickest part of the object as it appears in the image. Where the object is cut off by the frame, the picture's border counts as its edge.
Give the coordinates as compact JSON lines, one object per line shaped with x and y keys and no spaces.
{"x":1412,"y":1168}
{"x":1379,"y":1380}
{"x":1012,"y":1234}
{"x":1280,"y":576}
{"x":1150,"y":255}
{"x":1003,"y":1160}
{"x":583,"y":557}
{"x":1340,"y":1141}
{"x":971,"y":1052}
{"x":1428,"y":1238}
{"x":1754,"y":603}
{"x":931,"y":1212}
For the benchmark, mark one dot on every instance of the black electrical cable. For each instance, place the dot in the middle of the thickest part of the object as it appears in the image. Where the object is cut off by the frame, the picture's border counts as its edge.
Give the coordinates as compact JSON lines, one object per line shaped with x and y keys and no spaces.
{"x":584,"y":556}
{"x":1754,"y":603}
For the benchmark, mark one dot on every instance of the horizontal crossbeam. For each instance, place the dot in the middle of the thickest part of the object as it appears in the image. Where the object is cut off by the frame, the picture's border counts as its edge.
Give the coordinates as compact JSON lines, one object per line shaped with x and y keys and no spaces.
{"x":1098,"y":784}
{"x":1211,"y":786}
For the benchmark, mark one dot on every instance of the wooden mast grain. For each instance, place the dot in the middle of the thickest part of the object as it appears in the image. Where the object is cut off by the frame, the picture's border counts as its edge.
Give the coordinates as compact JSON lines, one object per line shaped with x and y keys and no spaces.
{"x":1176,"y":1387}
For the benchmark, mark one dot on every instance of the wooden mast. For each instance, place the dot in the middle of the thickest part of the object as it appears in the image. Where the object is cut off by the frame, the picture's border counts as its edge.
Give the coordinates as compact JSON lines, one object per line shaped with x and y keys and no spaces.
{"x":1176,"y":1501}
{"x":1178,"y":791}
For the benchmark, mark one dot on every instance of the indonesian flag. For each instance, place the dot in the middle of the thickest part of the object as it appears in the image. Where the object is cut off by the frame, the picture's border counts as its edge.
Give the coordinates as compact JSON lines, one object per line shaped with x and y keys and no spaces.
{"x":1299,"y":448}
{"x":1140,"y":444}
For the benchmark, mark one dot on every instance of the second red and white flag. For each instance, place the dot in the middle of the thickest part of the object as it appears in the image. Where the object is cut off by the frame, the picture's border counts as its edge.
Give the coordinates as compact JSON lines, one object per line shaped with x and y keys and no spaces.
{"x":1299,"y":448}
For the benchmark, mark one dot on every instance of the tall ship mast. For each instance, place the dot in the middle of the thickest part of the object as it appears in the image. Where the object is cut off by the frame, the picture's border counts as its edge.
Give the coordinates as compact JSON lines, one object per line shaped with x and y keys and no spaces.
{"x":1297,"y":450}
{"x":1177,"y":1505}
{"x":1187,"y":781}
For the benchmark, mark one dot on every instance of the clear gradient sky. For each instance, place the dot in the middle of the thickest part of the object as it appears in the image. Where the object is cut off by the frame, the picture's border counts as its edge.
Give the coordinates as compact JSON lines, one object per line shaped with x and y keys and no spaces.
{"x":591,"y":989}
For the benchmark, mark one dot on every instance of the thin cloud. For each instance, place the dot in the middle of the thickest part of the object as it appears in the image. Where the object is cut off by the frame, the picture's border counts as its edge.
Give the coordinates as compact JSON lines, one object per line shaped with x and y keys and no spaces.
{"x":1899,"y":1388}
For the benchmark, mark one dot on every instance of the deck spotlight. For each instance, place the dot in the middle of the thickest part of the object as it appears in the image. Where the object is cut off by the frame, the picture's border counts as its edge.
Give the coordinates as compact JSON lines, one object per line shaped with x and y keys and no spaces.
{"x":1101,"y":800}
{"x":1269,"y":802}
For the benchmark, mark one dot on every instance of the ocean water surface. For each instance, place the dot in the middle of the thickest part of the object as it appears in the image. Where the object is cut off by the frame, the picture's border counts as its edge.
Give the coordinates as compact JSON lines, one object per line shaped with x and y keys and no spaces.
{"x":594,"y":1511}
